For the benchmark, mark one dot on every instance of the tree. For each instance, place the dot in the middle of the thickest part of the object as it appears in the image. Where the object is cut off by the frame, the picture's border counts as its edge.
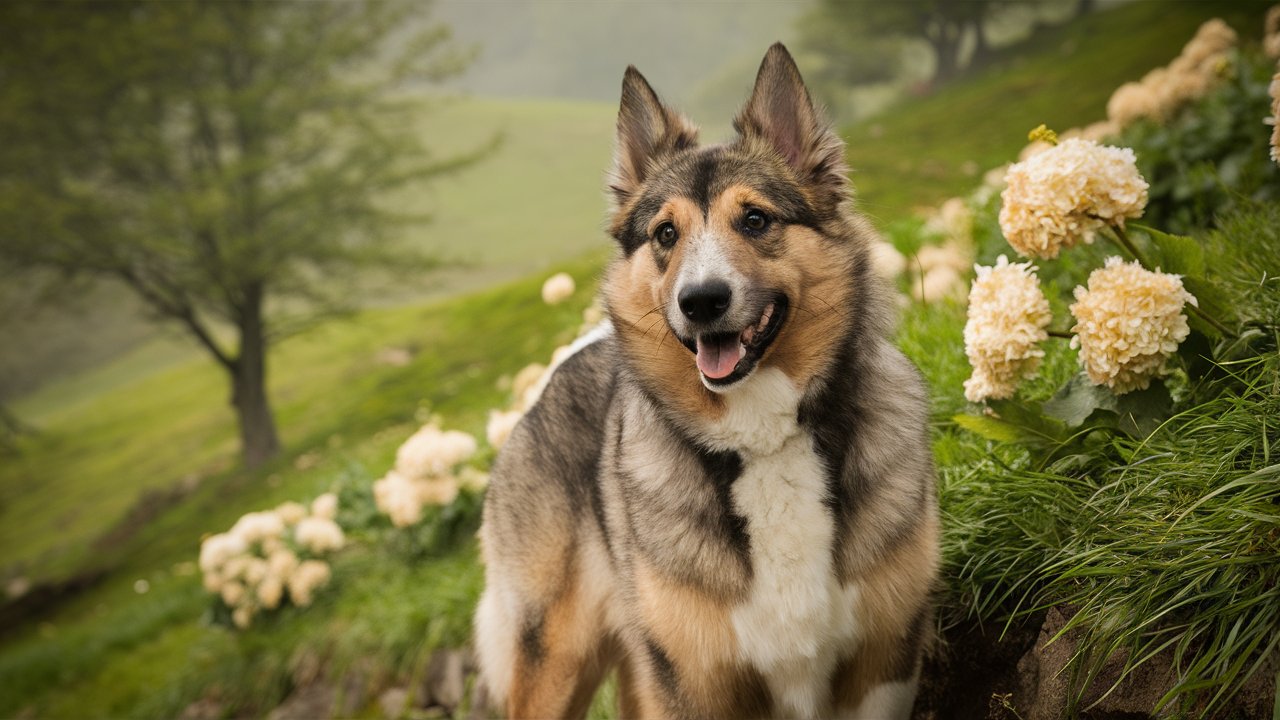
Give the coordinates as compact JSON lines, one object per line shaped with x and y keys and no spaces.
{"x":227,"y":160}
{"x":942,"y":24}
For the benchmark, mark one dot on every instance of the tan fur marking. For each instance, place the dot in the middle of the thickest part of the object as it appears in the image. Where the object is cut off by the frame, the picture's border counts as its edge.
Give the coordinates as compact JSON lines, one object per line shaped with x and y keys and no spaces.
{"x":893,"y":593}
{"x":692,"y":628}
{"x":576,"y":655}
{"x":819,"y":306}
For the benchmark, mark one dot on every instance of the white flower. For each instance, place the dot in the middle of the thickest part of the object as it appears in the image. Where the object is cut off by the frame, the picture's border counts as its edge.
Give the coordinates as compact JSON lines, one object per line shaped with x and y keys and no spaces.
{"x":886,"y":261}
{"x":397,"y":496}
{"x":1128,"y":323}
{"x":325,"y":506}
{"x":258,"y":526}
{"x":281,"y":563}
{"x":437,"y":490}
{"x":431,"y":452}
{"x":500,"y":426}
{"x":1008,"y":315}
{"x":291,"y":512}
{"x":216,"y":550}
{"x":527,"y":385}
{"x":242,"y":616}
{"x":233,"y":593}
{"x":308,"y":576}
{"x":557,"y":289}
{"x":1065,"y":194}
{"x":270,"y":591}
{"x":938,"y":284}
{"x":254,"y":570}
{"x":319,"y":535}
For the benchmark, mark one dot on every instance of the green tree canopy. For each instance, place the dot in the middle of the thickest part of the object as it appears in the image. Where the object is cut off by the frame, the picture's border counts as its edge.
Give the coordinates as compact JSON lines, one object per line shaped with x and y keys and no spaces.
{"x":219,"y":158}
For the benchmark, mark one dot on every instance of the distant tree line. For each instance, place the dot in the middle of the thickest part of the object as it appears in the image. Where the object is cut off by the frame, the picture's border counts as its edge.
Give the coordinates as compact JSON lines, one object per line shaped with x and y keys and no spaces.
{"x":862,"y":41}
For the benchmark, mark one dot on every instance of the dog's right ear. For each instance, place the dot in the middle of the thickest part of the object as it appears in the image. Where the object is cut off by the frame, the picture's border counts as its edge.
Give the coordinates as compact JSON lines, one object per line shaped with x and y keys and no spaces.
{"x":647,"y":130}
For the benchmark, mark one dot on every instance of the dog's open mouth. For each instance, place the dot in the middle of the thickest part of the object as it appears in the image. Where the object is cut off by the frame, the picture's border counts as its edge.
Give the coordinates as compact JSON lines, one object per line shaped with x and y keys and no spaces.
{"x":725,"y":358}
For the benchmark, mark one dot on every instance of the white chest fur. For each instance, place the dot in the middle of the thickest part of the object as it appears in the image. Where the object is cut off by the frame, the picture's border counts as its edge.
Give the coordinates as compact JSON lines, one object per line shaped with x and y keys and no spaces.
{"x":798,"y":617}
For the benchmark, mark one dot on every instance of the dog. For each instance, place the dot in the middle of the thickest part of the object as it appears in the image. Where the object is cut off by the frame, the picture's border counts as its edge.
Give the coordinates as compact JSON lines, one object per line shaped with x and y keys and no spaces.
{"x":726,"y":491}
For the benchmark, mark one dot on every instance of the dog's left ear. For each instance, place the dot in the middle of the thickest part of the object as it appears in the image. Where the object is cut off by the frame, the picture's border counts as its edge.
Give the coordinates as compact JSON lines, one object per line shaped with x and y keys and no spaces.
{"x":781,"y":114}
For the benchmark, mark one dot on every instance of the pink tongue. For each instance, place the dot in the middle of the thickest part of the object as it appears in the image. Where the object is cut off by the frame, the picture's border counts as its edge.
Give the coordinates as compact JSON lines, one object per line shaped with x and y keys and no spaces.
{"x":718,"y":358}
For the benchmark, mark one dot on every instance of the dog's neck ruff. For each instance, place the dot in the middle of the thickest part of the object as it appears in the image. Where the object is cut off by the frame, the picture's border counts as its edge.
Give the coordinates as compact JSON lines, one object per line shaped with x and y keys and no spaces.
{"x":759,"y":416}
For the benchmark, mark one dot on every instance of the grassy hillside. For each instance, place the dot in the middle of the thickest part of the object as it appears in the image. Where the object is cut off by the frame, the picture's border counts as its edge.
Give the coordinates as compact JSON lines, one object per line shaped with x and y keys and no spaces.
{"x":76,"y":502}
{"x":924,"y":150}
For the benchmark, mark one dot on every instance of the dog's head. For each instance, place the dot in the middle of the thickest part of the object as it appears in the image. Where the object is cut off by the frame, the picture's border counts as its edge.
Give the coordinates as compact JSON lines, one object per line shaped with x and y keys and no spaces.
{"x":733,"y":256}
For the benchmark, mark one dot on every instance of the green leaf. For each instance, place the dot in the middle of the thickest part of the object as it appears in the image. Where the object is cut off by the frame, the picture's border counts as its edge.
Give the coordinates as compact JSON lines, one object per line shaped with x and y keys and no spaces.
{"x":1175,"y":253}
{"x":988,"y":427}
{"x":1077,"y":399}
{"x":1142,"y":411}
{"x":1212,"y":301}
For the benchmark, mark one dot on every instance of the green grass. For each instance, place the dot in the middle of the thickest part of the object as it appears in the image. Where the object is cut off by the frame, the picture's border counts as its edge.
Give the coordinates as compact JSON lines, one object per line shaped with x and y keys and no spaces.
{"x":916,"y":153}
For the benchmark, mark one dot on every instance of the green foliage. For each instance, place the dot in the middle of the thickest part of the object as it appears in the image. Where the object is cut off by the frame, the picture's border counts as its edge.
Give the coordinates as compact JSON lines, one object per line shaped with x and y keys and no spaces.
{"x":926,"y":149}
{"x":1214,"y":154}
{"x":1152,"y":514}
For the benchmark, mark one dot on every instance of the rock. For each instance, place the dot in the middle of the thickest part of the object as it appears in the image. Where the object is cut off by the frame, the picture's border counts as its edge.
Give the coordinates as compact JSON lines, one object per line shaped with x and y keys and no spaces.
{"x":1045,"y":683}
{"x":306,"y":703}
{"x":394,"y":702}
{"x":445,"y":683}
{"x":203,"y":709}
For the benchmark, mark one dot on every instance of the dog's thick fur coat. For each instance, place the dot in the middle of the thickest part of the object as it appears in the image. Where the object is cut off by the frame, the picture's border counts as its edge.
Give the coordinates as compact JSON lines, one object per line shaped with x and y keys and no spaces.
{"x":749,"y":539}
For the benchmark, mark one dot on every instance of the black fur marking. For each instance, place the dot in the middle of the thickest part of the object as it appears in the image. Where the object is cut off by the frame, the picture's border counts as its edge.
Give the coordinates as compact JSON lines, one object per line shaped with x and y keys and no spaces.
{"x":834,"y":420}
{"x":722,"y":469}
{"x":706,"y":171}
{"x":531,"y":638}
{"x":663,"y":669}
{"x":904,"y":662}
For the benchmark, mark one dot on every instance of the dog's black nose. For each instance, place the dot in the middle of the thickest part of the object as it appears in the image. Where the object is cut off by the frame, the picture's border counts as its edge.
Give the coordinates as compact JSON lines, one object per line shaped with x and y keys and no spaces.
{"x":706,"y":302}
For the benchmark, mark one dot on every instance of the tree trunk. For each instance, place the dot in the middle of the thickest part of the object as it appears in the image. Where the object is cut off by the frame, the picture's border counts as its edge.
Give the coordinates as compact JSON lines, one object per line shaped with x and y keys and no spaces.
{"x":981,"y":47}
{"x":945,"y":51}
{"x":258,"y":439}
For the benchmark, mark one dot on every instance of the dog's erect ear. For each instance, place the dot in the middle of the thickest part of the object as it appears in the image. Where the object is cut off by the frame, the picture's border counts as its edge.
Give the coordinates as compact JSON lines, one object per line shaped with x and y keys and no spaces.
{"x":647,"y":129}
{"x":781,"y":114}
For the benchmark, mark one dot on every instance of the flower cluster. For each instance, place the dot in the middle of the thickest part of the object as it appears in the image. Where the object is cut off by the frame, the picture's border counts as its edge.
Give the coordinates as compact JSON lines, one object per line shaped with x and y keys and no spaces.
{"x":272,"y":555}
{"x":1129,"y":321}
{"x":941,"y":271}
{"x":1166,"y":89}
{"x":557,"y":289}
{"x":1008,"y":315}
{"x":424,"y":474}
{"x":1063,"y":195}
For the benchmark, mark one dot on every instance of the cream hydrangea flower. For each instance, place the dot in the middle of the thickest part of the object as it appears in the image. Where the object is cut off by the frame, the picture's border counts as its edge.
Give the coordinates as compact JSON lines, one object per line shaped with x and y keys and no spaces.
{"x":319,"y":535}
{"x":1128,"y":322}
{"x":304,"y":580}
{"x":325,"y":506}
{"x":431,"y":452}
{"x":1008,"y":315}
{"x":1271,"y":33}
{"x":1063,"y":195}
{"x":397,"y":496}
{"x":500,"y":425}
{"x":557,"y":288}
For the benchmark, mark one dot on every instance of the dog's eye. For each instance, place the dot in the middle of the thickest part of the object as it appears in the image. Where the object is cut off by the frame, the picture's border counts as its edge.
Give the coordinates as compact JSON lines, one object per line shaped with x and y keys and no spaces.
{"x":755,"y":220}
{"x":666,"y":234}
